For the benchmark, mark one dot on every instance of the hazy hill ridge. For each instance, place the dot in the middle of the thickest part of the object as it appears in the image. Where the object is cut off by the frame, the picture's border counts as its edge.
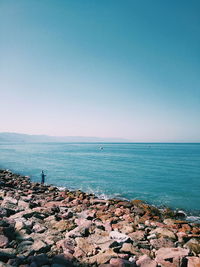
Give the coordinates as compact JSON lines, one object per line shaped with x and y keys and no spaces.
{"x":18,"y":137}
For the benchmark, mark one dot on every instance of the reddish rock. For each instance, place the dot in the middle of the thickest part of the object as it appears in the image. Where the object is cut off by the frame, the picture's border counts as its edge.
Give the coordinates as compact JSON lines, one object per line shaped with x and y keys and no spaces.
{"x":137,"y":235}
{"x":85,"y":245}
{"x":162,"y":242}
{"x":53,"y":204}
{"x":128,"y":218}
{"x":117,"y":262}
{"x":193,"y":262}
{"x":186,"y":228}
{"x":40,"y":246}
{"x":102,"y":257}
{"x":119,"y":212}
{"x":196,"y":230}
{"x":164,"y":254}
{"x":146,"y":261}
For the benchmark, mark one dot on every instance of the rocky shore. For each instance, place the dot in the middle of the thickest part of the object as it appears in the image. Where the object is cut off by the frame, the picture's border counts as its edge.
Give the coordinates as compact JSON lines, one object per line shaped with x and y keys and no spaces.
{"x":41,"y":226}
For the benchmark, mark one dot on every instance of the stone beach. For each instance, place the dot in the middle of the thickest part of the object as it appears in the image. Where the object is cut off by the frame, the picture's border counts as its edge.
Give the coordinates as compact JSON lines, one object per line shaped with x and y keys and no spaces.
{"x":41,"y":225}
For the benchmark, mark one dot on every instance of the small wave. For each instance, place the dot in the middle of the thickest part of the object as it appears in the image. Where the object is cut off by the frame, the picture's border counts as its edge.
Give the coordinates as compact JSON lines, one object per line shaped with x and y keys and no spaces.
{"x":195,"y":219}
{"x":61,"y":188}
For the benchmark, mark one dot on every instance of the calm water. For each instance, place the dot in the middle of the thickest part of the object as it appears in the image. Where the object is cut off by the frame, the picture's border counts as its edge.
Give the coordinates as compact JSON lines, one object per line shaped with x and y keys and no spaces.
{"x":162,"y":174}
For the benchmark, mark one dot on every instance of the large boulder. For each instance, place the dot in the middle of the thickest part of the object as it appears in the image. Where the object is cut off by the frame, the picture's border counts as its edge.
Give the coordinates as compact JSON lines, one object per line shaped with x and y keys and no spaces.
{"x":146,"y":261}
{"x":170,"y":254}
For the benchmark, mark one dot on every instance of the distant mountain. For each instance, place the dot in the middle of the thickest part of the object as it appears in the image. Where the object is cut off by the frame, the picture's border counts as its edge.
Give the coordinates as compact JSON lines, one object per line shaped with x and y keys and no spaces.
{"x":26,"y":138}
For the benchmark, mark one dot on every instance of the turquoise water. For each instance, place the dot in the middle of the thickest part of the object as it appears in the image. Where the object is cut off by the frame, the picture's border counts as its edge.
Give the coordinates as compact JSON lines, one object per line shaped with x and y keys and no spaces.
{"x":162,"y":174}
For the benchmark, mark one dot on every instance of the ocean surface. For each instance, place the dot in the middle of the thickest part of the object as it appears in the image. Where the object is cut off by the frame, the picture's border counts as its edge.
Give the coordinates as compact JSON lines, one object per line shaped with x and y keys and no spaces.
{"x":161,"y":174}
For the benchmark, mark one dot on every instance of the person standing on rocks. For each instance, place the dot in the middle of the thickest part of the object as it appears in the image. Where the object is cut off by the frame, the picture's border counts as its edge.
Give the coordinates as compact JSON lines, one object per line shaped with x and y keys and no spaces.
{"x":42,"y":177}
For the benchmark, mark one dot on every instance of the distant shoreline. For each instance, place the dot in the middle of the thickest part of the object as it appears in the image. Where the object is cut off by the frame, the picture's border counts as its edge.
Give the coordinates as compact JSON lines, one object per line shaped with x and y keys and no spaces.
{"x":37,"y":138}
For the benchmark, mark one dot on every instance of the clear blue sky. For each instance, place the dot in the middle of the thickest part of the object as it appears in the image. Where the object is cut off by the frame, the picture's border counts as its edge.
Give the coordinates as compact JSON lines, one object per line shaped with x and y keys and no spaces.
{"x":106,"y":68}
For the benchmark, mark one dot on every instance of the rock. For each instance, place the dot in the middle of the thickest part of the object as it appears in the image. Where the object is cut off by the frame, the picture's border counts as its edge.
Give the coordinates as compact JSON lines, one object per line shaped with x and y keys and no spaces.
{"x":117,"y":262}
{"x":193,"y":245}
{"x":98,"y":201}
{"x":3,"y":212}
{"x":40,"y":260}
{"x":101,"y":240}
{"x":164,"y":254}
{"x":128,"y":248}
{"x":68,"y":245}
{"x":169,"y":221}
{"x":39,"y":246}
{"x":127,"y":228}
{"x":137,"y":235}
{"x":141,"y":226}
{"x":3,"y":241}
{"x":21,"y":236}
{"x":193,"y":262}
{"x":102,"y":257}
{"x":152,"y":236}
{"x":119,"y":212}
{"x":146,"y":261}
{"x":57,"y":265}
{"x":162,"y":242}
{"x":25,"y":248}
{"x":9,"y":203}
{"x":28,"y":213}
{"x":67,"y":215}
{"x":86,"y":246}
{"x":61,"y":225}
{"x":9,"y":232}
{"x":78,"y":253}
{"x":19,"y":225}
{"x":61,"y":260}
{"x":23,"y":205}
{"x":7,"y":253}
{"x":81,"y":230}
{"x":186,"y":228}
{"x":119,"y":237}
{"x":2,"y":264}
{"x":163,"y":232}
{"x":38,"y":228}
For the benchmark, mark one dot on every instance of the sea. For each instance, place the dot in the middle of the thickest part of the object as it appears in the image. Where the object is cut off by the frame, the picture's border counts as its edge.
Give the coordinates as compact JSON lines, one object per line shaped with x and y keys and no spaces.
{"x":162,"y":174}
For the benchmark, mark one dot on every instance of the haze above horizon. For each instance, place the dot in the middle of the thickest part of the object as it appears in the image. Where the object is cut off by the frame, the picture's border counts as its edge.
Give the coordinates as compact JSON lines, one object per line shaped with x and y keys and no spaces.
{"x":124,"y":69}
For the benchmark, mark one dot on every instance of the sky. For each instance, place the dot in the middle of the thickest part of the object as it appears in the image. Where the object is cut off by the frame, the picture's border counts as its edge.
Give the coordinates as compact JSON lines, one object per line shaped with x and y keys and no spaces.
{"x":109,"y":68}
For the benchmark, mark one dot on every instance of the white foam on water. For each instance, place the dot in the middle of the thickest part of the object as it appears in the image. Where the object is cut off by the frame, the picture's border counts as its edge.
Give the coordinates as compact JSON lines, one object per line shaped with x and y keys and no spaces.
{"x":195,"y":219}
{"x":61,"y":188}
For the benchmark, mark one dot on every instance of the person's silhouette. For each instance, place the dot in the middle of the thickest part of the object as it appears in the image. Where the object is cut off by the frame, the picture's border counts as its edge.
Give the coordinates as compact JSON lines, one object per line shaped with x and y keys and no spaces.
{"x":42,"y":177}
